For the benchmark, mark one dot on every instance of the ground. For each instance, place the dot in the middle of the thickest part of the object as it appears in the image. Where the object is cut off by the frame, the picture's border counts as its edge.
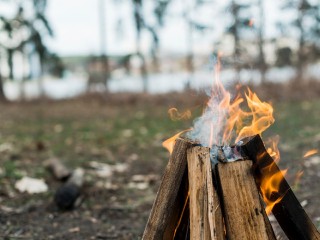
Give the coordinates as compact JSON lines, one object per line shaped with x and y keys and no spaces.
{"x":123,"y":133}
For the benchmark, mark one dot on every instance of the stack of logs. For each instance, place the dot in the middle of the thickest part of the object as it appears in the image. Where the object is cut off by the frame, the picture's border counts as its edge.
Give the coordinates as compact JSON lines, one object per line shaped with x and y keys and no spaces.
{"x":197,"y":200}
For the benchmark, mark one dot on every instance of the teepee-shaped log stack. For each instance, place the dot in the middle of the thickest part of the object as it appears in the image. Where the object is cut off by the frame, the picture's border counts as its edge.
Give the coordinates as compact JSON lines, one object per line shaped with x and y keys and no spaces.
{"x":197,"y":200}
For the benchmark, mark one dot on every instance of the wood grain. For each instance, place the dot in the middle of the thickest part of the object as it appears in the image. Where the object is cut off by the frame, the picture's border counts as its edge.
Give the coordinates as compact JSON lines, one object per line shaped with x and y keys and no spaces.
{"x":243,"y":211}
{"x":168,"y":205}
{"x":205,"y":209}
{"x":289,"y":213}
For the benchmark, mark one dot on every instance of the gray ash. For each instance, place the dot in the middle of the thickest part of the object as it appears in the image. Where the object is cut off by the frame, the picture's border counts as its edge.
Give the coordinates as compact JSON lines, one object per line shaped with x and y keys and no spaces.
{"x":224,"y":154}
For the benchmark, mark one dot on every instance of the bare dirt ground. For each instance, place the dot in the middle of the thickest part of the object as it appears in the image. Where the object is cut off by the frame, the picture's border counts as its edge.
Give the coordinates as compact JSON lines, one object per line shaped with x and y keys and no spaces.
{"x":123,"y":133}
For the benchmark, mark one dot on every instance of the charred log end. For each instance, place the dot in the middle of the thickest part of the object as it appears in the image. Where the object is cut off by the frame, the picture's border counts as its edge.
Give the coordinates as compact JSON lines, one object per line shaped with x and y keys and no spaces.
{"x":288,"y":211}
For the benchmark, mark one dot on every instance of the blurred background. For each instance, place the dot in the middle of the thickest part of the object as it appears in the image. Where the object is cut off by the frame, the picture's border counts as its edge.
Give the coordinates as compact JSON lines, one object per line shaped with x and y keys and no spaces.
{"x":63,"y":49}
{"x":90,"y":83}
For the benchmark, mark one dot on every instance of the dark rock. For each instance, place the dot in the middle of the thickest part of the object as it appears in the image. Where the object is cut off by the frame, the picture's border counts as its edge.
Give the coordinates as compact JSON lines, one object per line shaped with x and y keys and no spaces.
{"x":66,"y":196}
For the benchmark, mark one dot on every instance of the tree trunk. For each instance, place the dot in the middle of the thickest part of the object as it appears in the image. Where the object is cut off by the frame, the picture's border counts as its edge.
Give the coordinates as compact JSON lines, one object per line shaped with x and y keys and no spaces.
{"x":155,"y":59}
{"x":2,"y":95}
{"x":235,"y":33}
{"x":41,"y":81}
{"x":301,"y":55}
{"x":262,"y":62}
{"x":143,"y":68}
{"x":190,"y":56}
{"x":139,"y":23}
{"x":104,"y":57}
{"x":10,"y":63}
{"x":144,"y":74}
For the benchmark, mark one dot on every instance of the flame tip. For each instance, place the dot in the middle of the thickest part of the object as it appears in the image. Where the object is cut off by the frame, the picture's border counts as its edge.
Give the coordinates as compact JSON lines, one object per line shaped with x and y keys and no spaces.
{"x":310,"y":152}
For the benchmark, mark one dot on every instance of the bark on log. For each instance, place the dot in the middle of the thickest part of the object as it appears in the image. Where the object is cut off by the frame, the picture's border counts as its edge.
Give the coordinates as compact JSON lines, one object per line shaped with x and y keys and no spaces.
{"x":68,"y":194}
{"x":243,"y":211}
{"x":203,"y":197}
{"x":168,"y":205}
{"x":288,"y":211}
{"x":58,"y":170}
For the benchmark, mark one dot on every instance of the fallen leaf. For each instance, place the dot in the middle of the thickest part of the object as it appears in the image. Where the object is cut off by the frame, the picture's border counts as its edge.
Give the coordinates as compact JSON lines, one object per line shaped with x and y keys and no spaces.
{"x":31,"y":185}
{"x":104,"y":170}
{"x":140,"y":185}
{"x":6,"y":147}
{"x":74,"y":230}
{"x":304,"y":203}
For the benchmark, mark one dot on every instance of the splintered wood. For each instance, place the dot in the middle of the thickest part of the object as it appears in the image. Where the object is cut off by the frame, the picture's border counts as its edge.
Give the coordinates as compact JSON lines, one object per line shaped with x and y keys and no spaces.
{"x":243,"y":212}
{"x":168,"y":205}
{"x":205,"y":212}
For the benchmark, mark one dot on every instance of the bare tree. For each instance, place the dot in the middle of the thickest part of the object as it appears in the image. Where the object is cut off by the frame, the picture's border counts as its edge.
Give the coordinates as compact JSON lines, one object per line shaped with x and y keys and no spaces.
{"x":261,"y":62}
{"x":240,"y":21}
{"x":139,"y":23}
{"x":2,"y":95}
{"x":103,"y":49}
{"x":159,"y":11}
{"x":307,"y":24}
{"x":36,"y":27}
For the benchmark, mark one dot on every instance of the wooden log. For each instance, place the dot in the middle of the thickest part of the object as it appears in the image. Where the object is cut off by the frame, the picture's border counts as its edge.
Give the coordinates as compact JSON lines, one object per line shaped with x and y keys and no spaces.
{"x":243,"y":211}
{"x":67,"y":196}
{"x":58,"y":170}
{"x":216,"y":207}
{"x":266,"y":219}
{"x":203,"y":198}
{"x":168,"y":205}
{"x":288,"y":211}
{"x":183,"y":226}
{"x":178,"y":224}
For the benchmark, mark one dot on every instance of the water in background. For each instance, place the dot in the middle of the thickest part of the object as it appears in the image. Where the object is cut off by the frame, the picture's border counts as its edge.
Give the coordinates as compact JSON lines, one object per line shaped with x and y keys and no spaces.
{"x":74,"y":85}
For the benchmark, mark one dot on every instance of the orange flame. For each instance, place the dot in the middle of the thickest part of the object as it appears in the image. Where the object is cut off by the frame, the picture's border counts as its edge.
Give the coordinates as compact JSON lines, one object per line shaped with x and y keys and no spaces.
{"x":175,"y":115}
{"x":234,"y":118}
{"x":261,"y":114}
{"x":231,"y":118}
{"x":269,"y":186}
{"x":272,"y":148}
{"x":170,"y":142}
{"x":224,"y":121}
{"x":310,"y":153}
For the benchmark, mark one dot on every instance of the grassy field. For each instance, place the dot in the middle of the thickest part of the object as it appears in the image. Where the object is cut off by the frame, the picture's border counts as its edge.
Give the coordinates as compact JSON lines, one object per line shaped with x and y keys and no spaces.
{"x":120,"y":129}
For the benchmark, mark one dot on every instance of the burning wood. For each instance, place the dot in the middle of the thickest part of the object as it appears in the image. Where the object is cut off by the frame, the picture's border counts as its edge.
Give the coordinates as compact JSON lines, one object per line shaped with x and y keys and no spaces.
{"x":224,"y":121}
{"x":205,"y":211}
{"x":59,"y":170}
{"x":171,"y":196}
{"x":191,"y":209}
{"x":288,"y":211}
{"x":243,"y":212}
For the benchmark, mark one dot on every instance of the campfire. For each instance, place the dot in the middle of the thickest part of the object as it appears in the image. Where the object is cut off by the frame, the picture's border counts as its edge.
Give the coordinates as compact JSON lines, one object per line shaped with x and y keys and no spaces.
{"x":221,"y":182}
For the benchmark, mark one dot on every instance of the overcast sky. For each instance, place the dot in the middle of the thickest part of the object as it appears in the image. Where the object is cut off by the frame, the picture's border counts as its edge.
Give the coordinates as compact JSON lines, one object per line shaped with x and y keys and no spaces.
{"x":76,"y":26}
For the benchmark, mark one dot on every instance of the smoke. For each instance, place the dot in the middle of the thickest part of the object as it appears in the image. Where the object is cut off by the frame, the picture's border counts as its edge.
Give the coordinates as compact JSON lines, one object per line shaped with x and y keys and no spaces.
{"x":209,"y":129}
